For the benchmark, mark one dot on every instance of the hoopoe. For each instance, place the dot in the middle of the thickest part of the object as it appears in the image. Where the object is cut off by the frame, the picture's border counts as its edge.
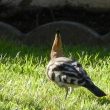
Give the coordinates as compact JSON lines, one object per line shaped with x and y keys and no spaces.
{"x":68,"y":73}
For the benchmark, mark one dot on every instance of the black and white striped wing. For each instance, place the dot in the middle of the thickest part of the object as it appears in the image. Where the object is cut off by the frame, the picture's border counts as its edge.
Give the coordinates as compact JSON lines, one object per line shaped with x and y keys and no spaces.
{"x":65,"y":71}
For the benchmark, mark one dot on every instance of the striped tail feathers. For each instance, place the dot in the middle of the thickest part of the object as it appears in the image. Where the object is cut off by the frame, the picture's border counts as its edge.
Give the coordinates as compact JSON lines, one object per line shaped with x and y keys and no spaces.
{"x":94,"y":89}
{"x":57,"y":50}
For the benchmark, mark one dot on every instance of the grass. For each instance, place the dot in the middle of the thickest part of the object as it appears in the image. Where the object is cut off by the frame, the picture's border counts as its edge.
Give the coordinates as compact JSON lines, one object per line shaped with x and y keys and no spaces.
{"x":24,"y":85}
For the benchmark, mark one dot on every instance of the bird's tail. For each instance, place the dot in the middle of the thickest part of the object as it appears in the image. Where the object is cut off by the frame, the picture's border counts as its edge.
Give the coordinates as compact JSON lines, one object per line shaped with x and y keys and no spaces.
{"x":95,"y":90}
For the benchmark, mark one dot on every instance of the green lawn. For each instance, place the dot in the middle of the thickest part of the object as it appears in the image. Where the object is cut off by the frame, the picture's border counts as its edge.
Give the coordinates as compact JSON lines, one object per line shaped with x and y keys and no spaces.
{"x":24,"y":85}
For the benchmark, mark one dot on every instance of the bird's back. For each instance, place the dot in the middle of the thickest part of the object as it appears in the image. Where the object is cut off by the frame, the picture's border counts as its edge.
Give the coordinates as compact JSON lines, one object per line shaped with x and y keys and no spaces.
{"x":65,"y":71}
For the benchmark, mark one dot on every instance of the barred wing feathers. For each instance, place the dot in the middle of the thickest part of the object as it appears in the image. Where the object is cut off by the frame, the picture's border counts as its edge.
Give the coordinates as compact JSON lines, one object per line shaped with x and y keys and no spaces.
{"x":67,"y":71}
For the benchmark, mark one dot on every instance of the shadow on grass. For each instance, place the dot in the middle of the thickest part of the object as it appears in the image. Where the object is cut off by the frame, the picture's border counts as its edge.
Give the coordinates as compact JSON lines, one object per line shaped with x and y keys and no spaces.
{"x":11,"y":49}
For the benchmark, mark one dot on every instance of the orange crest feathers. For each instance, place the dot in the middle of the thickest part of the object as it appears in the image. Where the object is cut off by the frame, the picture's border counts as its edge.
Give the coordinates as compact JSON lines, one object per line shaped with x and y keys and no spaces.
{"x":57,"y":46}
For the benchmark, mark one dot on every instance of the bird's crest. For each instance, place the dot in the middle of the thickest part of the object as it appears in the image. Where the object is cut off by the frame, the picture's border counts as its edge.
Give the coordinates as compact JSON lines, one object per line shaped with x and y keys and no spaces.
{"x":57,"y":50}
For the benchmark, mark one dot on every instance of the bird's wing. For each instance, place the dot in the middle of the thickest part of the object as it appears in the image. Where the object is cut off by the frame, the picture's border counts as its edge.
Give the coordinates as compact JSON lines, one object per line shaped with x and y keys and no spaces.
{"x":68,"y":71}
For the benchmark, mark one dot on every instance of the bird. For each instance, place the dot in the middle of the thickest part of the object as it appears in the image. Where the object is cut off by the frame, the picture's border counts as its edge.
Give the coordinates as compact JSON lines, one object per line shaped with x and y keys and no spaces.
{"x":68,"y":73}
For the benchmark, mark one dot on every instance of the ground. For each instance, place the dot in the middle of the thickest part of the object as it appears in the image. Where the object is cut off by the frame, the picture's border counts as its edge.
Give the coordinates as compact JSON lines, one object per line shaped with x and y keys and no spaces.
{"x":24,"y":85}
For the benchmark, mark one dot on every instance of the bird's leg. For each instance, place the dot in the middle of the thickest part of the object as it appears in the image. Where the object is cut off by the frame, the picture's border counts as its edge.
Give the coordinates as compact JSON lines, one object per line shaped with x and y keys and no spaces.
{"x":68,"y":91}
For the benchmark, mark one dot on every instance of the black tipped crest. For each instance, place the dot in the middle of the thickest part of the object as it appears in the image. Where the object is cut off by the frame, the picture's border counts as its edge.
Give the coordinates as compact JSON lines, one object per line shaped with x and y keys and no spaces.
{"x":58,"y":32}
{"x":57,"y":46}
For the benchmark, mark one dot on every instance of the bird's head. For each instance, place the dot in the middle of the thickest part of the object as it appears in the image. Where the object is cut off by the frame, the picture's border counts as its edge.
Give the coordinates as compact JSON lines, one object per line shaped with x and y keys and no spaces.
{"x":57,"y":50}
